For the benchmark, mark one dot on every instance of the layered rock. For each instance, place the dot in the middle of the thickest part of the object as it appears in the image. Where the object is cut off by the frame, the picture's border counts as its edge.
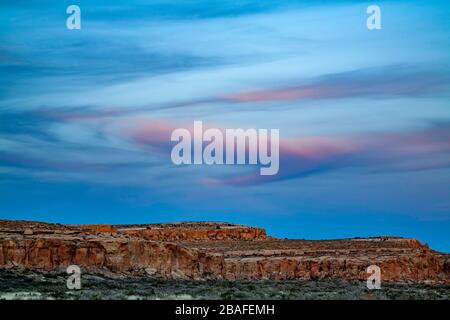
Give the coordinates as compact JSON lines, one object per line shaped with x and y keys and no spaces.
{"x":213,"y":251}
{"x":188,"y":232}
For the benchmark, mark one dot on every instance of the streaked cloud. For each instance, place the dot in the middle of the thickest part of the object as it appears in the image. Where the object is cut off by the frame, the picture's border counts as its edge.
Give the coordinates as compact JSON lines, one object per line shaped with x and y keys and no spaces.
{"x":385,"y":152}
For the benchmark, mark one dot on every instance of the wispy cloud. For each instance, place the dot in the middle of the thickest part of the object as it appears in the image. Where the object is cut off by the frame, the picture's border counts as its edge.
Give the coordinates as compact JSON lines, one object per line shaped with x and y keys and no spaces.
{"x":380,"y":152}
{"x":385,"y":82}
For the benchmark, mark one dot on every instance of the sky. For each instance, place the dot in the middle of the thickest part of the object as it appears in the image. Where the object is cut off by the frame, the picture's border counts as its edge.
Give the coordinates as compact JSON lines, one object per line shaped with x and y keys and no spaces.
{"x":364,"y":115}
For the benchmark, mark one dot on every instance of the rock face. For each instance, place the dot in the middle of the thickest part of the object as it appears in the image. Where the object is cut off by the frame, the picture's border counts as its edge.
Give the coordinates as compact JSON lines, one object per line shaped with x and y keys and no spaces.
{"x":212,"y":251}
{"x":189,"y":232}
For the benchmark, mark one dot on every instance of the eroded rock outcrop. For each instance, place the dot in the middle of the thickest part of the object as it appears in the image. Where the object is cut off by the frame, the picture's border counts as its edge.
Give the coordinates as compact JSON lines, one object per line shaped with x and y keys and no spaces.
{"x":213,"y":251}
{"x":188,"y":232}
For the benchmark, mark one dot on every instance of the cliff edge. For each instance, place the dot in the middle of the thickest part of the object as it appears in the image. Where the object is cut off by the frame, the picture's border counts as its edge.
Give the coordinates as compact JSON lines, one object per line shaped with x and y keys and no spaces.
{"x":209,"y":250}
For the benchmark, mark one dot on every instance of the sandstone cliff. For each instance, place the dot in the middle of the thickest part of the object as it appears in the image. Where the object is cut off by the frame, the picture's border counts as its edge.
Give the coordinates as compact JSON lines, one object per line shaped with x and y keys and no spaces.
{"x":212,"y":251}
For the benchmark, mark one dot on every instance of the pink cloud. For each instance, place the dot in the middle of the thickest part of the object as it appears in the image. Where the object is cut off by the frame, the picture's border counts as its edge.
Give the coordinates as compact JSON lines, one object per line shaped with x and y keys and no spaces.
{"x":301,"y":157}
{"x":305,"y":92}
{"x":306,"y":156}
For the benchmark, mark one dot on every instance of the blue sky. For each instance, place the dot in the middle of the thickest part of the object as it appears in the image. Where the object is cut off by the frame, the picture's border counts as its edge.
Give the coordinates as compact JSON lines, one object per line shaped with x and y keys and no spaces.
{"x":364,"y":118}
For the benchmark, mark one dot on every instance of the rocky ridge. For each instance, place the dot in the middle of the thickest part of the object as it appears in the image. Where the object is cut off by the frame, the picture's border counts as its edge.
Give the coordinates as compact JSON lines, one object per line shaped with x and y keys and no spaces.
{"x":208,"y":250}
